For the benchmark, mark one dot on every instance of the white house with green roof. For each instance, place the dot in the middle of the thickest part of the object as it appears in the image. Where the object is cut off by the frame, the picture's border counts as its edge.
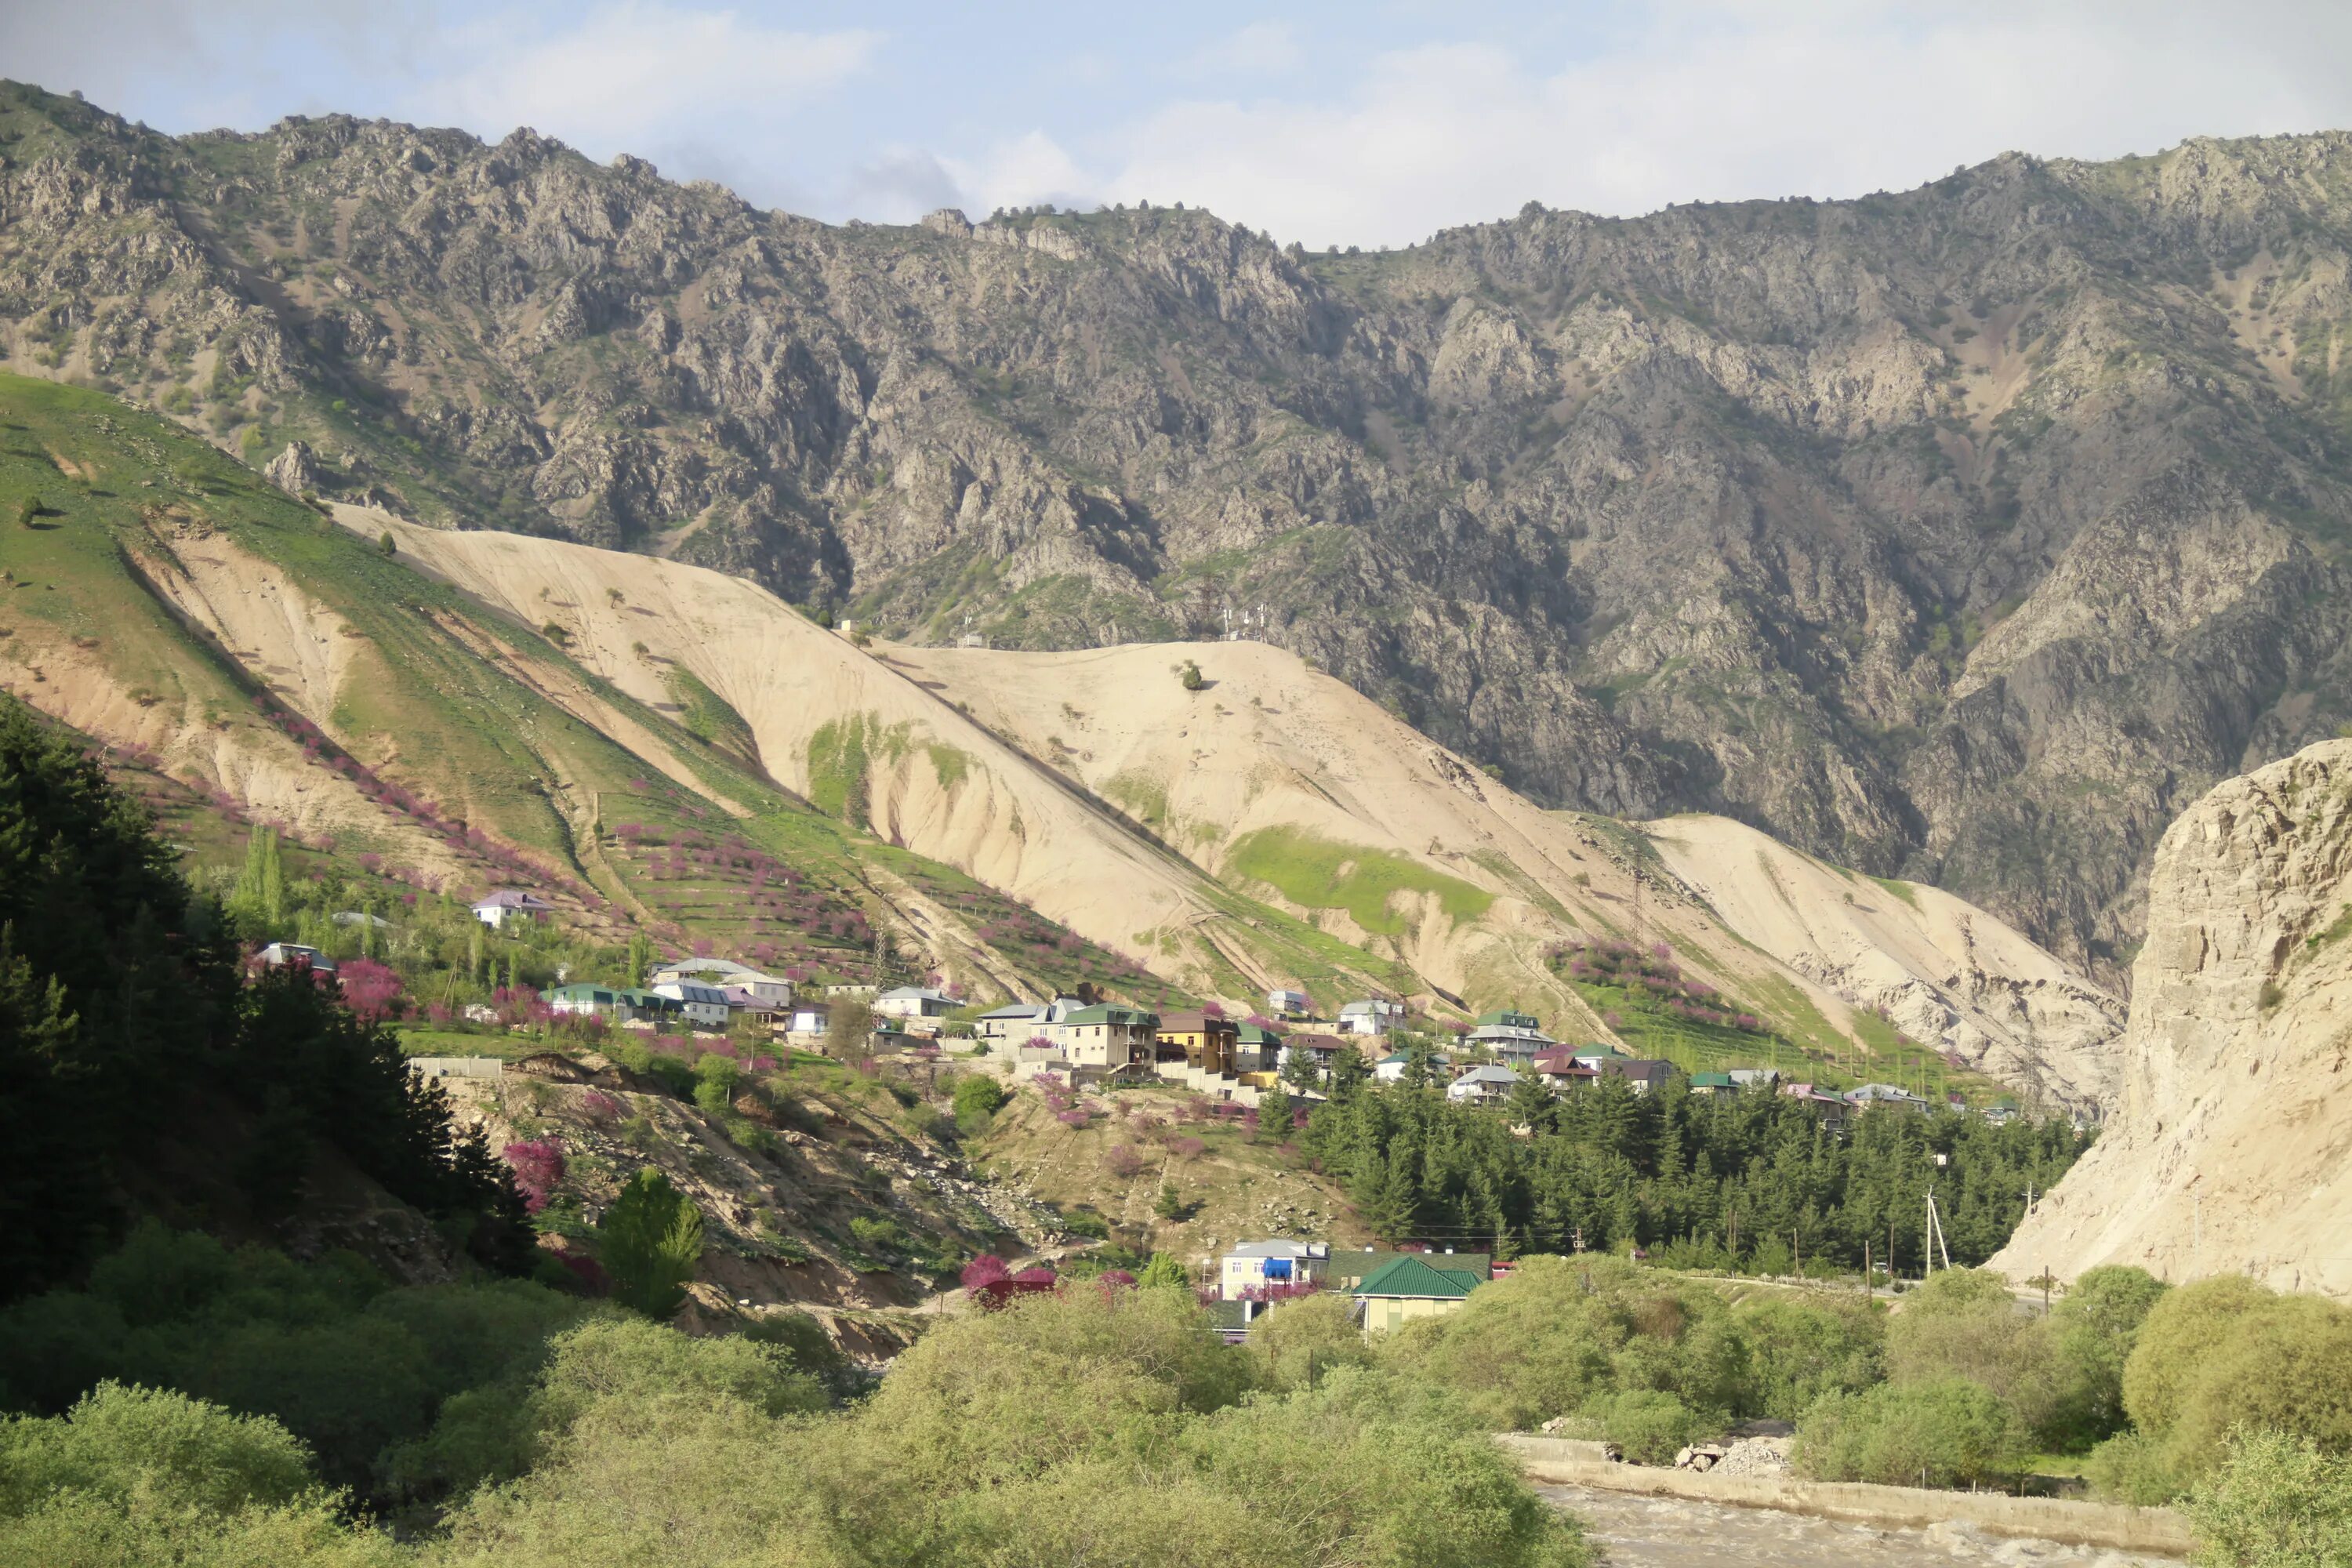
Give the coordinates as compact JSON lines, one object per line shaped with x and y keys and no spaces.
{"x":1105,"y":1035}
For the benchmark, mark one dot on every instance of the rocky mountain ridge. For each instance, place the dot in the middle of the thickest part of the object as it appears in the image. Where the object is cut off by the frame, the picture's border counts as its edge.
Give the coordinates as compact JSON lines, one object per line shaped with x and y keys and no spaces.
{"x":1963,"y":534}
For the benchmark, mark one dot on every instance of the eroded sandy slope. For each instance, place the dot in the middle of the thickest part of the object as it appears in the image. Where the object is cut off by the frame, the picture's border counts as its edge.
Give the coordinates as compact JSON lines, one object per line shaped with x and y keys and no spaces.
{"x":2233,"y":1150}
{"x":1939,"y":967}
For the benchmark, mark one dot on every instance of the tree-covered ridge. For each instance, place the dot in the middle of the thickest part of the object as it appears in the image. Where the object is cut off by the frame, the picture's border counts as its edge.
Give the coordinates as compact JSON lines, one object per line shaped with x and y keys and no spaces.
{"x":1750,"y":1180}
{"x":138,"y":1069}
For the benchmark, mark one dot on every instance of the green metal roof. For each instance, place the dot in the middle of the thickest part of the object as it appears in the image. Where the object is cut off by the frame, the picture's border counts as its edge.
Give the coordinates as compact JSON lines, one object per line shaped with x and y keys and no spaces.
{"x":1508,"y":1019}
{"x":1104,"y":1013}
{"x":1713,"y":1080}
{"x":1350,"y":1269}
{"x":1251,"y":1035}
{"x":1412,"y":1276}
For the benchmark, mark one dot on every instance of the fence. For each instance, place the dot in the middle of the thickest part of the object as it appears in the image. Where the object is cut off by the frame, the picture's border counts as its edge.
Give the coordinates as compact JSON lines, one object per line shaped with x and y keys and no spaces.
{"x":457,"y":1066}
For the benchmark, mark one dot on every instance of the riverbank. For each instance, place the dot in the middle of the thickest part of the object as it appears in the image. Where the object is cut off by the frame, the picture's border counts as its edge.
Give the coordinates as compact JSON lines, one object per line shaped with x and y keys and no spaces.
{"x":2156,"y":1533}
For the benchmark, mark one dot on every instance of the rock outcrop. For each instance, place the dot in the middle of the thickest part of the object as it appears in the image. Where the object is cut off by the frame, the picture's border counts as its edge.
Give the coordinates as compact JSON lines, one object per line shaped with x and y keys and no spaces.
{"x":1963,"y":535}
{"x":2232,"y":1152}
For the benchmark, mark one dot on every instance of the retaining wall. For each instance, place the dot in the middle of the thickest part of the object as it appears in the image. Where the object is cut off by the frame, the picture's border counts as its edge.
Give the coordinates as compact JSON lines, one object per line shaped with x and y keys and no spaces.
{"x":2113,"y":1526}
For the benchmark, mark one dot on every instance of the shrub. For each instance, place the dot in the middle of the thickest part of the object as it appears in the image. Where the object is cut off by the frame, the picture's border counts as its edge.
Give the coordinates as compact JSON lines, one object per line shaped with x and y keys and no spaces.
{"x":2275,"y":1501}
{"x":1189,"y":676}
{"x":1650,"y":1426}
{"x":2287,"y":1368}
{"x":2130,"y":1468}
{"x":1799,"y":1352}
{"x":977,"y":1100}
{"x":2092,"y":1330}
{"x":1121,"y":1161}
{"x":2177,"y":1341}
{"x":716,"y":1078}
{"x":118,"y":1441}
{"x":651,"y":1243}
{"x":386,"y":543}
{"x":1951,"y":1433}
{"x":1297,"y":1342}
{"x":1964,"y":1324}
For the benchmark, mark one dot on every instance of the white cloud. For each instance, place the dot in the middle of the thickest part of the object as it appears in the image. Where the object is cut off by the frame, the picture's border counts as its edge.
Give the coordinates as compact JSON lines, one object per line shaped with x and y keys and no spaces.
{"x":632,"y":76}
{"x":1023,"y":171}
{"x":1739,"y":98}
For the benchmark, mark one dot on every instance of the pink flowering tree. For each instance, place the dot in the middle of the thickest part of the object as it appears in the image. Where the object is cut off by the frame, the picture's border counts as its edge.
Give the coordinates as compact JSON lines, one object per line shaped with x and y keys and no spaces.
{"x":371,"y":990}
{"x":538,"y":1166}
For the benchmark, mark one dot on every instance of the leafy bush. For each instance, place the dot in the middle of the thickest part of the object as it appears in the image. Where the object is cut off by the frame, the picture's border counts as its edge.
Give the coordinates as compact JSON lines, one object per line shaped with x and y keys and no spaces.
{"x":1950,"y":1432}
{"x":1798,"y":1351}
{"x":1964,"y":1324}
{"x":2226,"y":1352}
{"x":978,"y":1097}
{"x":2177,"y":1343}
{"x":2093,"y":1329}
{"x":1650,"y":1426}
{"x":651,"y":1243}
{"x":2275,"y":1501}
{"x":1296,"y":1344}
{"x":116,"y":1441}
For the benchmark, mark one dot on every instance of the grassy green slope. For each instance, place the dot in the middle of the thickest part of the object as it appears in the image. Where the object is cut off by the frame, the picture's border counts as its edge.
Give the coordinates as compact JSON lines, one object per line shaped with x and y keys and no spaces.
{"x":498,"y":740}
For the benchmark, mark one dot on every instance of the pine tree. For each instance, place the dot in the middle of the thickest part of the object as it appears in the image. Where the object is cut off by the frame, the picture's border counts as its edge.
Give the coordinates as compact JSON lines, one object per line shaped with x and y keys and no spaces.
{"x":1273,"y":1114}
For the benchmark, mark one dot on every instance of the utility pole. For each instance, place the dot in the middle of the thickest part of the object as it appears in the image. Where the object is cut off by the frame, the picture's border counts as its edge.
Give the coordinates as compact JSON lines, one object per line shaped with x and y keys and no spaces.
{"x":1868,"y":1286}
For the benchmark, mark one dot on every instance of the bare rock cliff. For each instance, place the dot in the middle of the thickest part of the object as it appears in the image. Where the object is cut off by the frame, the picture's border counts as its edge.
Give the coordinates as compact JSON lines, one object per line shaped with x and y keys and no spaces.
{"x":2234,"y":1149}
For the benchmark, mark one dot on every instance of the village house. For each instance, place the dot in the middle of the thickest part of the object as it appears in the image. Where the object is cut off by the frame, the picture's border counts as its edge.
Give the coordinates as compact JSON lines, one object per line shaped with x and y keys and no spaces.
{"x":1644,"y":1075}
{"x":915,"y":1001}
{"x":1105,"y":1036}
{"x":1509,"y":1037}
{"x":1831,"y":1109}
{"x":726,"y":974}
{"x":1011,"y":1023}
{"x":1745,"y":1077}
{"x":1885,"y":1094}
{"x":279,"y":954}
{"x":511,"y":904}
{"x":1349,"y":1269}
{"x":1256,"y":1049}
{"x":1323,"y":1050}
{"x":705,"y":1006}
{"x":1288,"y":1004}
{"x":1481,"y":1085}
{"x":1408,"y":1287}
{"x":1562,"y":1073}
{"x":1199,"y":1040}
{"x":742,"y":1002}
{"x":1370,"y":1017}
{"x":1255,"y":1264}
{"x":808,"y":1018}
{"x":585,"y":1001}
{"x":1391,"y":1069}
{"x":1713,"y":1085}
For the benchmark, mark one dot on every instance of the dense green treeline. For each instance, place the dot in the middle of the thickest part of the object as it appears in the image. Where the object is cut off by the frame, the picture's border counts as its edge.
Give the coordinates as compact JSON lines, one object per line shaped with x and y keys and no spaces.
{"x":138,"y":1068}
{"x":1748,"y":1180}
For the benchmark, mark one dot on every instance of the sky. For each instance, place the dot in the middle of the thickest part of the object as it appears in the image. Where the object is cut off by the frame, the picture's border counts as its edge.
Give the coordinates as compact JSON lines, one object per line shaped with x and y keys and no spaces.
{"x":1372,"y":124}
